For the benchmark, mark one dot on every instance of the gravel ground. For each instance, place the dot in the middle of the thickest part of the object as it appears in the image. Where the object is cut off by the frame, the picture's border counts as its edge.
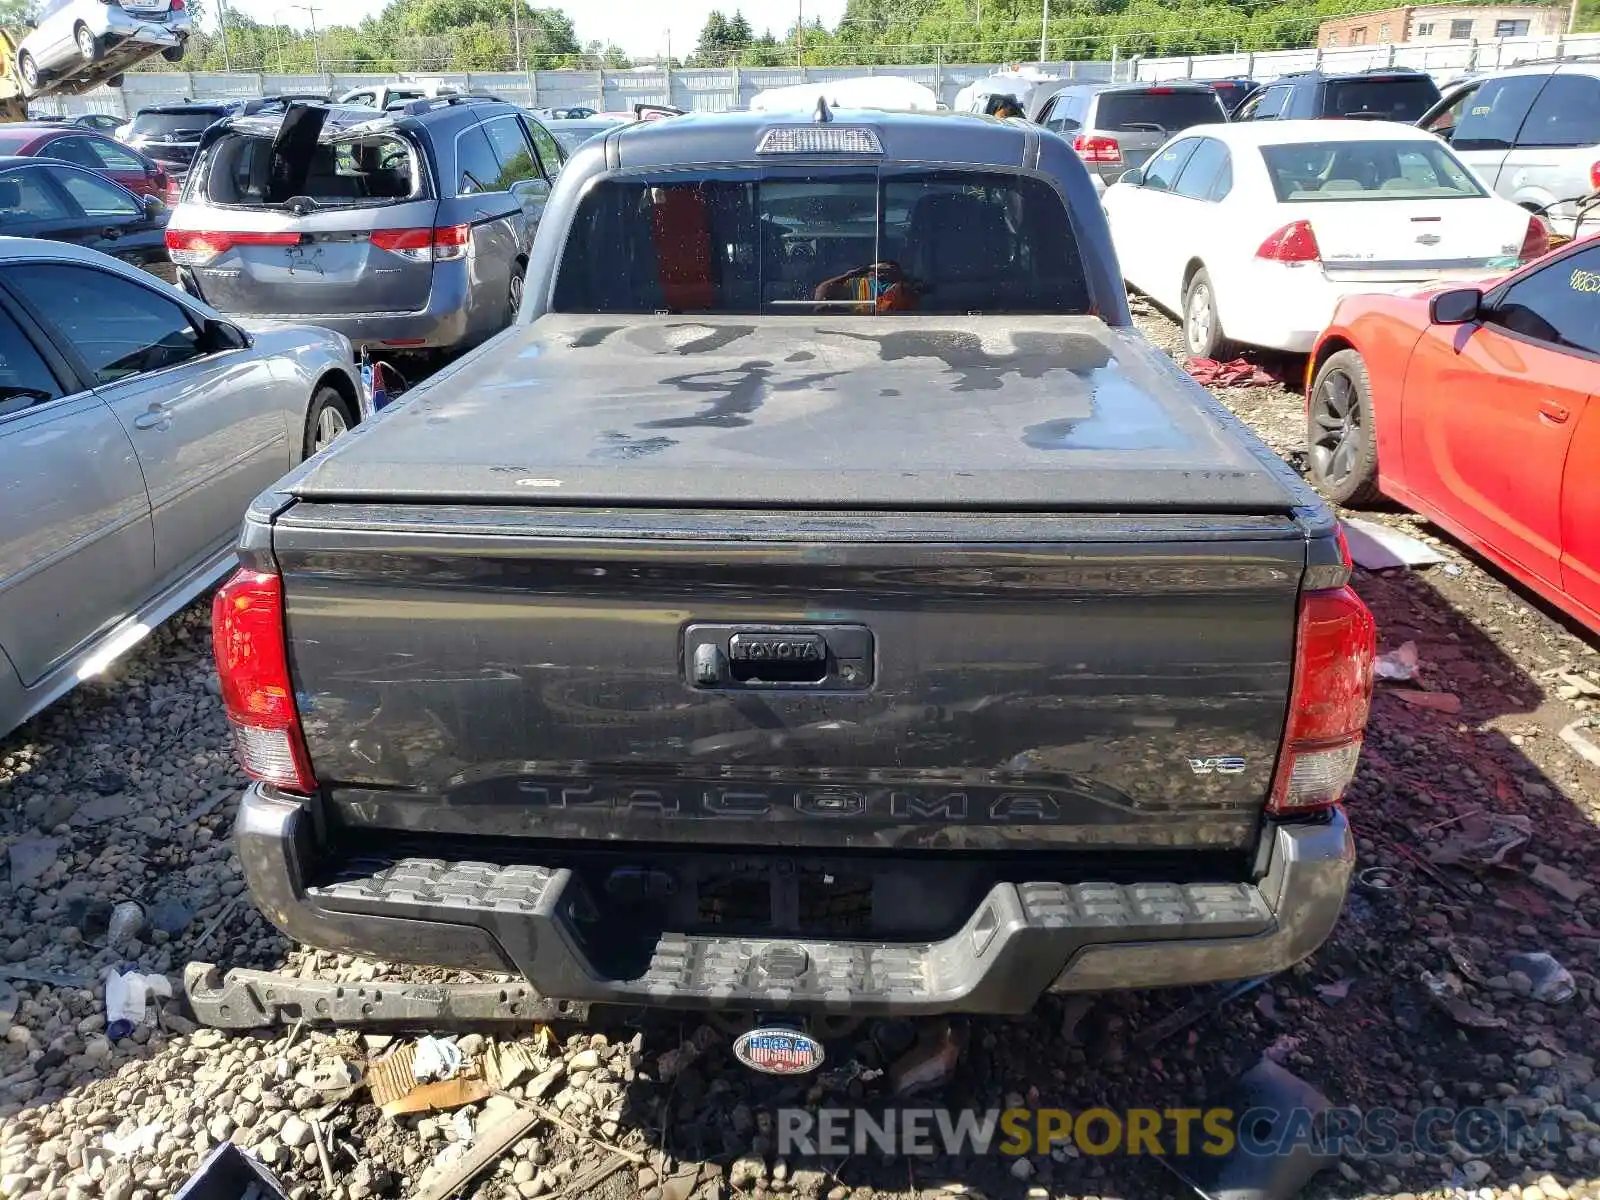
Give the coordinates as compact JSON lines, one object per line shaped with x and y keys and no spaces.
{"x":123,"y":791}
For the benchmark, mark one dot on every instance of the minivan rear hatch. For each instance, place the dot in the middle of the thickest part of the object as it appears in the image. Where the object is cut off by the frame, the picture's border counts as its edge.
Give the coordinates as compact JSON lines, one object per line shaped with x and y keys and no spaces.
{"x":318,"y":210}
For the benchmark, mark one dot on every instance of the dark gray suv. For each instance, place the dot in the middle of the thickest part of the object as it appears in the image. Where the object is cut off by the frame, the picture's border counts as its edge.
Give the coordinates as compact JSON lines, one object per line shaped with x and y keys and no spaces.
{"x":405,"y":231}
{"x":1115,"y":127}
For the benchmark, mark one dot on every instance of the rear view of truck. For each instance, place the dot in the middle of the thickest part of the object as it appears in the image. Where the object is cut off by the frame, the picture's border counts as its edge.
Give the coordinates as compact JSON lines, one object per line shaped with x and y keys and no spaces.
{"x":768,"y":656}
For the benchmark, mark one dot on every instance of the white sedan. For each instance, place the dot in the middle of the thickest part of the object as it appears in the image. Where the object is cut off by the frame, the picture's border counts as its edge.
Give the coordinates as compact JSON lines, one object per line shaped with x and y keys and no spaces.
{"x":1254,"y":232}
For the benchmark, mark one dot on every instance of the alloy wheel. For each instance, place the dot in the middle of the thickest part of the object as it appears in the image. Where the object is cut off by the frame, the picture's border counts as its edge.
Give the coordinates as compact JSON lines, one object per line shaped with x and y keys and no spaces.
{"x":330,"y":425}
{"x":1200,"y":317}
{"x":1339,"y":433}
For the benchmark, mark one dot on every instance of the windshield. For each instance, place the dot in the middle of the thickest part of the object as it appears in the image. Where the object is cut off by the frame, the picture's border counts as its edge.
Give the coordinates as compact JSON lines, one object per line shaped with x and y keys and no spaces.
{"x":1157,"y":111}
{"x":1393,"y":99}
{"x":191,"y":123}
{"x":1376,"y":170}
{"x":928,"y":242}
{"x":349,"y":173}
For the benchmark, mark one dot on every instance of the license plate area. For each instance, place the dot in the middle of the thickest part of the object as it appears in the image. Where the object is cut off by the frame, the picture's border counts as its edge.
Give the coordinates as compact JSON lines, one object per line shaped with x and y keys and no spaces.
{"x":730,"y":657}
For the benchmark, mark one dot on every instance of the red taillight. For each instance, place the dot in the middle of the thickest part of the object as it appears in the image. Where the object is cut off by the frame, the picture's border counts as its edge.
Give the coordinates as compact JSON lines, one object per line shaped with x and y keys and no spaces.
{"x":1096,"y":148}
{"x":1536,"y":242}
{"x":1294,"y":243}
{"x":195,"y":248}
{"x":424,"y":245}
{"x":176,"y":6}
{"x":247,"y":637}
{"x":1594,"y":177}
{"x":1335,"y":644}
{"x":1158,"y":91}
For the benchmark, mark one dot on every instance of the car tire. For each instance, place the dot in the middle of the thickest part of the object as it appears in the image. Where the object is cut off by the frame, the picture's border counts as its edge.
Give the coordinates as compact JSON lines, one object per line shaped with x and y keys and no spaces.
{"x":514,"y":293}
{"x":328,"y":418}
{"x":1341,"y":436}
{"x":90,"y":48}
{"x":29,"y":70}
{"x":174,"y":53}
{"x":1202,"y":328}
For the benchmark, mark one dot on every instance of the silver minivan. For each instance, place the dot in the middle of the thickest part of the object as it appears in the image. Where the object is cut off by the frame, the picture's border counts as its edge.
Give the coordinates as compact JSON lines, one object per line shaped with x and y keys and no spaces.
{"x":406,"y":231}
{"x":1532,"y":133}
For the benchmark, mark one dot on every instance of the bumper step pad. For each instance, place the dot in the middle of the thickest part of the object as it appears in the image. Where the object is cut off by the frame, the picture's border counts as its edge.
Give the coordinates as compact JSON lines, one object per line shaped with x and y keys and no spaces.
{"x":1010,"y":951}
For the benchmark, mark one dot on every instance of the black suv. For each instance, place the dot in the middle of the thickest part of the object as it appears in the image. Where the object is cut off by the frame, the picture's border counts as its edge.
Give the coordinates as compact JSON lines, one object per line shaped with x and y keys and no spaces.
{"x":1389,"y":94}
{"x":170,"y":133}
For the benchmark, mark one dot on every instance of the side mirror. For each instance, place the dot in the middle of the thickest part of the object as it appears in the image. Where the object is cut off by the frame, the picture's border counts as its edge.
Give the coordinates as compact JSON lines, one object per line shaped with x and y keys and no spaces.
{"x":1458,"y":307}
{"x":220,"y":335}
{"x":1133,"y":178}
{"x":153,"y":207}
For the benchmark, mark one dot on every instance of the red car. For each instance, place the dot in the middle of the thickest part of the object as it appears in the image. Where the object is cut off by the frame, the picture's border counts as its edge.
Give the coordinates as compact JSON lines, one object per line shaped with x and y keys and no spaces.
{"x":1480,"y":409}
{"x":118,"y":163}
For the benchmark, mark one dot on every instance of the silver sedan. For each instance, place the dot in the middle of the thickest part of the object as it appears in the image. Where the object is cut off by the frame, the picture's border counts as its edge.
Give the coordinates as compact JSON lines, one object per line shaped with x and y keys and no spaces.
{"x":136,"y":425}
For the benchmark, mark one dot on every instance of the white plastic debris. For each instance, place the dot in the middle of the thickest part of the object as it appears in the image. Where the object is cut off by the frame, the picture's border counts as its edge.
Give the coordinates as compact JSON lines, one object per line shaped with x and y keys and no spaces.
{"x":436,"y":1059}
{"x":140,"y":1140}
{"x":1380,"y":548}
{"x":463,"y":1127}
{"x":128,"y":1000}
{"x":1399,"y":666}
{"x":1552,"y":983}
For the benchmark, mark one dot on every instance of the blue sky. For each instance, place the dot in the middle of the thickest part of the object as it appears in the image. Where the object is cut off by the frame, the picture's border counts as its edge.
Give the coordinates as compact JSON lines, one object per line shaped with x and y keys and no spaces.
{"x":638,"y":26}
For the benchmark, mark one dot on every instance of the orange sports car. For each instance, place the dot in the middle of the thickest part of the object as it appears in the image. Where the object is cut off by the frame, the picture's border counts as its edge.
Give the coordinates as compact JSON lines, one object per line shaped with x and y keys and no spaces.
{"x":1478,"y":407}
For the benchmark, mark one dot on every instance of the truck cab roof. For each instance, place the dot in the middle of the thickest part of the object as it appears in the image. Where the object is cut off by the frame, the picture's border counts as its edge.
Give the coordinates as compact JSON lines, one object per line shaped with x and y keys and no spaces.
{"x":901,"y":136}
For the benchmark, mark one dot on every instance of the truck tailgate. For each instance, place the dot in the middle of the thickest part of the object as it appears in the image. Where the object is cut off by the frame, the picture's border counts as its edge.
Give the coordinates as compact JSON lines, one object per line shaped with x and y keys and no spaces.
{"x":1015,"y":682}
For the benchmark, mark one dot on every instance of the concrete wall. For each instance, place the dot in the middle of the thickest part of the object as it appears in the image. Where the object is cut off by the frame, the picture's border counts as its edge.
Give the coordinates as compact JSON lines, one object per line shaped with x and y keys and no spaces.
{"x":716,"y":90}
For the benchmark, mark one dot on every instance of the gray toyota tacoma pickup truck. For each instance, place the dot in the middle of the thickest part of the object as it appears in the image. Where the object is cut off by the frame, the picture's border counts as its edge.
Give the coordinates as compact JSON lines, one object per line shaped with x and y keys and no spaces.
{"x":822,"y":600}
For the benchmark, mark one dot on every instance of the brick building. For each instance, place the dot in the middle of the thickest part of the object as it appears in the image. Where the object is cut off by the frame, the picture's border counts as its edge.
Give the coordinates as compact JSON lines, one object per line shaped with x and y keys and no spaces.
{"x":1442,"y":23}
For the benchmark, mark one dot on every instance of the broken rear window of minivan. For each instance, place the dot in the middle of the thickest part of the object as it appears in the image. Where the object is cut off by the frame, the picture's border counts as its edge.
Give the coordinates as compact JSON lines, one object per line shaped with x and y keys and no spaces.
{"x":345,"y":171}
{"x":927,"y":242}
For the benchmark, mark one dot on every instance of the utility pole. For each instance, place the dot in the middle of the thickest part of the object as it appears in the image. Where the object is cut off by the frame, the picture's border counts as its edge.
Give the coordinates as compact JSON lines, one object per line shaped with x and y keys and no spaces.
{"x":668,"y":62}
{"x":1572,"y":17}
{"x":1044,"y":32}
{"x":221,"y":24}
{"x":516,"y":31}
{"x":800,"y":35}
{"x":316,"y":46}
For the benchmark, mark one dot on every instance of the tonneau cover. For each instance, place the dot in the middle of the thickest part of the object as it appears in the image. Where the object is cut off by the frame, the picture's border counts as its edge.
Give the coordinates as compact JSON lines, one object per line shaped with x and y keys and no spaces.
{"x":898,"y":412}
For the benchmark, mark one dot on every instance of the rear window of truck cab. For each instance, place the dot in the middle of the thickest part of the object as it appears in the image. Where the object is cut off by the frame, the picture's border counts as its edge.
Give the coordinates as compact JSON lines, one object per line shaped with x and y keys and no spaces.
{"x":773,"y":241}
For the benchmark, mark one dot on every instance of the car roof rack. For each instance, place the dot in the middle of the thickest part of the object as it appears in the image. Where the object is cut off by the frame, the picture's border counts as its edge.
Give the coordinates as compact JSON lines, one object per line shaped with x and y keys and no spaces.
{"x":416,"y":108}
{"x":1543,"y":62}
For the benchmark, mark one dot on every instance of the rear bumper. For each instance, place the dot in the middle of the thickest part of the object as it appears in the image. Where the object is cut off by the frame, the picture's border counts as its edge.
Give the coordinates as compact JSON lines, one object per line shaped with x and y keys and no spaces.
{"x":442,"y":325}
{"x":1021,"y":941}
{"x":1288,"y":308}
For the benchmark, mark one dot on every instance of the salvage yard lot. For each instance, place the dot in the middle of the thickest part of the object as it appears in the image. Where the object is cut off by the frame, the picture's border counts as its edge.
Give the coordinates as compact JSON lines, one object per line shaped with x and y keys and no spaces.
{"x":126,"y":789}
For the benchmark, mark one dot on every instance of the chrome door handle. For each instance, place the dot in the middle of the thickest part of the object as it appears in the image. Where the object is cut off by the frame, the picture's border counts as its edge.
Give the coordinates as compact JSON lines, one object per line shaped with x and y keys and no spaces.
{"x":156,"y":418}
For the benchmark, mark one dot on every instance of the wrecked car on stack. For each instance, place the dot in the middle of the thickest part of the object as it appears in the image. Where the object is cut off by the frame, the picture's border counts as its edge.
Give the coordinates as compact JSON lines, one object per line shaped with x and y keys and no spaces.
{"x":821,"y":600}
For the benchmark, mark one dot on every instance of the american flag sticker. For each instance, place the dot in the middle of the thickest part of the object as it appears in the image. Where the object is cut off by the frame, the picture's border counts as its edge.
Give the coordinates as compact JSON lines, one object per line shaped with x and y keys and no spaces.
{"x":778,"y":1051}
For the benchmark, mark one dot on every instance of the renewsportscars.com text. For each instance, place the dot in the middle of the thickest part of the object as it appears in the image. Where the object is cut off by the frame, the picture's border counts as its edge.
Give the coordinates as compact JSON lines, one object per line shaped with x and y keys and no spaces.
{"x":1160,"y":1132}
